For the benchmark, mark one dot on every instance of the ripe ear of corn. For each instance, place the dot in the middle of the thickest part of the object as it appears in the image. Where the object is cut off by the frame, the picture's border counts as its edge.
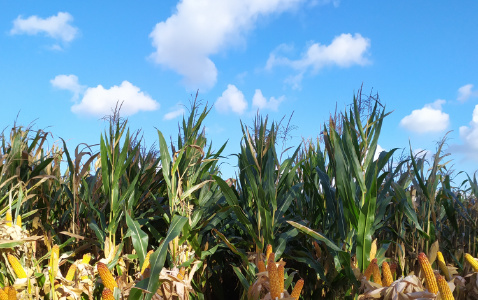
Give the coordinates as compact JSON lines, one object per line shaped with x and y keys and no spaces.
{"x":261,"y":266}
{"x":393,"y":269}
{"x":273,"y":277}
{"x":16,"y":266}
{"x":268,"y":252}
{"x":444,"y":288}
{"x":54,"y":259}
{"x":107,"y":294}
{"x":19,"y":220}
{"x":377,"y":277}
{"x":106,"y":276}
{"x":297,"y":289}
{"x":3,"y":295}
{"x":368,"y":272}
{"x":387,"y":274}
{"x":12,"y":293}
{"x":71,"y":272}
{"x":8,"y":218}
{"x":280,"y":273}
{"x":146,"y":263}
{"x":442,"y":265}
{"x":472,"y":262}
{"x":429,"y":275}
{"x":86,"y":258}
{"x":181,"y":273}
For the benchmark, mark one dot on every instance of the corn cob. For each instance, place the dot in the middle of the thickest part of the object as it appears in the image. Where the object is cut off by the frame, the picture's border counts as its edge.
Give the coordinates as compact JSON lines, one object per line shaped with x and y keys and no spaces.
{"x":387,"y":274}
{"x":280,"y":272}
{"x":86,"y":258}
{"x":107,"y":294}
{"x":3,"y":295}
{"x":297,"y":289}
{"x":318,"y":251}
{"x":54,"y":259}
{"x":377,"y":277}
{"x":12,"y":293}
{"x":444,"y":288}
{"x":181,"y":273}
{"x":368,"y":272}
{"x":429,"y":275}
{"x":393,"y":269}
{"x":261,"y":266}
{"x":71,"y":272}
{"x":268,"y":252}
{"x":472,"y":262}
{"x":106,"y":276}
{"x":8,"y":218}
{"x":16,"y":266}
{"x":442,"y":265}
{"x":19,"y":220}
{"x":146,"y":263}
{"x":273,"y":277}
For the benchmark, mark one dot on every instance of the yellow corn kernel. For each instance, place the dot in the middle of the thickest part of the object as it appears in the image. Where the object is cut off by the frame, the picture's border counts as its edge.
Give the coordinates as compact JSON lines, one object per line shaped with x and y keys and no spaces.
{"x":107,"y":294}
{"x":54,"y":259}
{"x":181,"y":273}
{"x":12,"y":293}
{"x":106,"y":276}
{"x":146,"y":263}
{"x":472,"y":262}
{"x":387,"y":274}
{"x":16,"y":266}
{"x":261,"y":266}
{"x":297,"y":289}
{"x":71,"y":273}
{"x":444,"y":288}
{"x":442,"y":265}
{"x":377,"y":277}
{"x":19,"y":220}
{"x":3,"y":295}
{"x":429,"y":275}
{"x":8,"y":218}
{"x":368,"y":272}
{"x":86,"y":258}
{"x":268,"y":252}
{"x":280,"y":272}
{"x":273,"y":277}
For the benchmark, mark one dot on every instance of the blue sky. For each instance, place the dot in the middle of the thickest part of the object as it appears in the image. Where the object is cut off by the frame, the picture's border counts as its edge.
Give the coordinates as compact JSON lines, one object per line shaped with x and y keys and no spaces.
{"x":64,"y":64}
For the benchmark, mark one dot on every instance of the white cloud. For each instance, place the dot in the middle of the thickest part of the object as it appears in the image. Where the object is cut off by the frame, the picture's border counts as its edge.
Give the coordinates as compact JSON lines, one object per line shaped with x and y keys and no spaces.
{"x":466,"y":92}
{"x":469,"y":134}
{"x":174,"y":114}
{"x":99,"y":101}
{"x":430,"y":118}
{"x":261,"y":102}
{"x":199,"y":29}
{"x":68,"y":82}
{"x":377,"y":152}
{"x":57,"y":27}
{"x":231,"y":99}
{"x":344,"y":51}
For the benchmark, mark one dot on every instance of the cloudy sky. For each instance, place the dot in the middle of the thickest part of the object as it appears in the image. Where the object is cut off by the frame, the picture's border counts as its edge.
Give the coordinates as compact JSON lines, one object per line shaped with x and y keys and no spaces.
{"x":65,"y":64}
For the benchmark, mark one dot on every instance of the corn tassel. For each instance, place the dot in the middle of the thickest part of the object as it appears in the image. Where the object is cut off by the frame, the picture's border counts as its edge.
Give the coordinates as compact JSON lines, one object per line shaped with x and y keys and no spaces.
{"x":368,"y":272}
{"x":442,"y":265}
{"x":8,"y":218}
{"x":16,"y":266}
{"x":429,"y":275}
{"x":107,"y":294}
{"x":54,"y":259}
{"x":377,"y":277}
{"x":146,"y":263}
{"x":181,"y":273}
{"x":71,"y":273}
{"x":261,"y":266}
{"x":3,"y":295}
{"x":19,"y":220}
{"x":472,"y":261}
{"x":444,"y":288}
{"x":12,"y":293}
{"x":106,"y":276}
{"x":273,"y":277}
{"x":280,"y":272}
{"x":268,"y":252}
{"x":297,"y":289}
{"x":387,"y":274}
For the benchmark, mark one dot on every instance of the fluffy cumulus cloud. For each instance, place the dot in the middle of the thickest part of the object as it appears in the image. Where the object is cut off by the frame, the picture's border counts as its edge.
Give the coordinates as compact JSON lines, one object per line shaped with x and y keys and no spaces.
{"x":261,"y":102}
{"x":344,"y":51}
{"x":430,"y":118}
{"x":58,"y":27}
{"x":174,"y":114}
{"x":232,"y":99}
{"x":377,"y":152}
{"x":198,"y":29}
{"x":69,"y":83}
{"x":466,"y":92}
{"x":469,"y":135}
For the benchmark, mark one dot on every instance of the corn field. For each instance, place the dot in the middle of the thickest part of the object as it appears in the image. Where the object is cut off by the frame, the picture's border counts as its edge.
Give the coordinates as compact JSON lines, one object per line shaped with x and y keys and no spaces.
{"x":329,"y":221}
